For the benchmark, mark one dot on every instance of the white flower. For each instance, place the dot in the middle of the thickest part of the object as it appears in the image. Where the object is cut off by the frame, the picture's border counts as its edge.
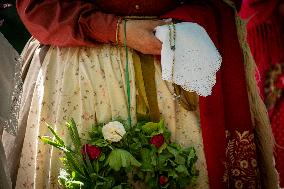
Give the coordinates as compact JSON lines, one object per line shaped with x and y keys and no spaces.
{"x":113,"y":131}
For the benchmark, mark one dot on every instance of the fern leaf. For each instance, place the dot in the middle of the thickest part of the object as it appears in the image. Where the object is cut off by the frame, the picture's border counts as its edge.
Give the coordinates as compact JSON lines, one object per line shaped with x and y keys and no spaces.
{"x":55,"y":135}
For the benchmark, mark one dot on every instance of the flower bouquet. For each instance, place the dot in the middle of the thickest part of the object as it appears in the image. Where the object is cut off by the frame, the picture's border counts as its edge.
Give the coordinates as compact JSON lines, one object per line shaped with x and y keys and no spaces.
{"x":120,"y":157}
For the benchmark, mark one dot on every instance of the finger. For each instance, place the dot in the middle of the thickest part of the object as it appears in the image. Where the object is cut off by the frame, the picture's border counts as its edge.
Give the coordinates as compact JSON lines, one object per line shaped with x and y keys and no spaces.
{"x":154,"y":23}
{"x":156,"y":52}
{"x":152,"y":46}
{"x":168,"y":20}
{"x":151,"y":51}
{"x":153,"y":38}
{"x":165,"y":21}
{"x":156,"y":45}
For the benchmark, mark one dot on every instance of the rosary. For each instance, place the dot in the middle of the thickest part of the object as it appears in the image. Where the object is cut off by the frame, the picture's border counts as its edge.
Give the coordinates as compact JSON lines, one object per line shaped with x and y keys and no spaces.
{"x":172,"y":40}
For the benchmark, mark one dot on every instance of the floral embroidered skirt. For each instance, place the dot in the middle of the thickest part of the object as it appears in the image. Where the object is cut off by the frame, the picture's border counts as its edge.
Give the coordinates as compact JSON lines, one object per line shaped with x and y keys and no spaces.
{"x":88,"y":84}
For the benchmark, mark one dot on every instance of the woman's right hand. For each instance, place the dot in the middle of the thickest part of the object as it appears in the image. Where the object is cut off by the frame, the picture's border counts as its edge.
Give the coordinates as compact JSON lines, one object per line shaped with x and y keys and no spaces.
{"x":140,"y":35}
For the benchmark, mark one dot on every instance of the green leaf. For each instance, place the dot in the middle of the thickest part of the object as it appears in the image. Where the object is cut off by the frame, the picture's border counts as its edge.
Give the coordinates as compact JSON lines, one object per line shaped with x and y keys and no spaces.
{"x":183,"y":182}
{"x":93,"y":175}
{"x":135,"y":146}
{"x":102,"y":157}
{"x":114,"y":160}
{"x":150,"y":127}
{"x":164,"y":146}
{"x":146,"y":155}
{"x":90,"y":167}
{"x":96,"y":132}
{"x":167,"y":136}
{"x":172,"y":173}
{"x":161,"y":126}
{"x":60,"y":141}
{"x":153,"y":182}
{"x":100,"y":143}
{"x":147,"y":167}
{"x":118,"y":187}
{"x":67,"y":181}
{"x":191,"y":158}
{"x":119,"y":158}
{"x":73,"y":174}
{"x":74,"y":134}
{"x":182,"y":169}
{"x":48,"y":140}
{"x":137,"y":129}
{"x":73,"y":163}
{"x":172,"y":150}
{"x":154,"y":160}
{"x":136,"y":140}
{"x":180,"y":160}
{"x":178,"y":147}
{"x":162,"y":159}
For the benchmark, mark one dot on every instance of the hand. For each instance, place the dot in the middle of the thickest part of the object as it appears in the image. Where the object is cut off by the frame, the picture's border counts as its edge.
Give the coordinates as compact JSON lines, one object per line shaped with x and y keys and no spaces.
{"x":140,"y":35}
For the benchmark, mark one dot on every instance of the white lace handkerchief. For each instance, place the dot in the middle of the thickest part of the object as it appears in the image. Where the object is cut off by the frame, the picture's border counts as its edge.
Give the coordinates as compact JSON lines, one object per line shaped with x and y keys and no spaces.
{"x":194,"y":62}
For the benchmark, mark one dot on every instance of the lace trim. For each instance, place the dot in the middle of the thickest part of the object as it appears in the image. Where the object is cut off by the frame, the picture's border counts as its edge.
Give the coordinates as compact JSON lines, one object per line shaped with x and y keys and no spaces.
{"x":11,"y":124}
{"x":196,"y":59}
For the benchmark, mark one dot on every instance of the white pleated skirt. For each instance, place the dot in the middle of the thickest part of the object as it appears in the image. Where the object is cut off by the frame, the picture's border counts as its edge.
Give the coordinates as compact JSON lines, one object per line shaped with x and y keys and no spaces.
{"x":88,"y":84}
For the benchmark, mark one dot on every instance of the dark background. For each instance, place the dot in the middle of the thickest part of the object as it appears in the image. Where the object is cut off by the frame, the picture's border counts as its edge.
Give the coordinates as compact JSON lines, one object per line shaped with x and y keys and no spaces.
{"x":12,"y":27}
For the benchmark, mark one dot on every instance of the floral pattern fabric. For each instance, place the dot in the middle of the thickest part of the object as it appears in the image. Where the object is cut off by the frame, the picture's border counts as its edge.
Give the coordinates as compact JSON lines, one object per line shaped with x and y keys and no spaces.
{"x":241,"y":166}
{"x":88,"y":85}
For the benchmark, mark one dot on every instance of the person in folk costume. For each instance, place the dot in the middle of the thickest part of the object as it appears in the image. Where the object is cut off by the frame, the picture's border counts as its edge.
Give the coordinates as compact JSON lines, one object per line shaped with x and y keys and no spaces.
{"x":78,"y":72}
{"x":10,"y":93}
{"x":265,"y":27}
{"x":13,"y":37}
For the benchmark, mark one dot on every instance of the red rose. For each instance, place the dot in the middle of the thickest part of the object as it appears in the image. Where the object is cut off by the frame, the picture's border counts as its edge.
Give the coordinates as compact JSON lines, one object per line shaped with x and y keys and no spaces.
{"x":93,"y":152}
{"x":157,"y":140}
{"x":163,"y":180}
{"x":279,"y":84}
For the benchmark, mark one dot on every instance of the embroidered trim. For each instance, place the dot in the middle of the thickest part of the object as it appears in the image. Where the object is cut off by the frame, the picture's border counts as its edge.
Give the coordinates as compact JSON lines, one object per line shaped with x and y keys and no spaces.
{"x":241,"y":165}
{"x":11,"y":125}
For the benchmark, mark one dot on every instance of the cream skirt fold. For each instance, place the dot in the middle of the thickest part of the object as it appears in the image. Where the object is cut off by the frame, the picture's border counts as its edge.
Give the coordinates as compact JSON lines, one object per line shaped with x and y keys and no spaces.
{"x":88,"y":84}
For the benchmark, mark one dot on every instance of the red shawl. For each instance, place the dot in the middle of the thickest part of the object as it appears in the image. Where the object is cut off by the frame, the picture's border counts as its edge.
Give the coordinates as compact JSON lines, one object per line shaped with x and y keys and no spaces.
{"x":266,"y":41}
{"x":225,"y":115}
{"x":265,"y":37}
{"x":257,"y":11}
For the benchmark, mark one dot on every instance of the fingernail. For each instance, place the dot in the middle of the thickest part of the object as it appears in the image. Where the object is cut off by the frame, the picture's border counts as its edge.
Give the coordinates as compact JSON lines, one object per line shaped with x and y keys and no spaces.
{"x":168,"y":20}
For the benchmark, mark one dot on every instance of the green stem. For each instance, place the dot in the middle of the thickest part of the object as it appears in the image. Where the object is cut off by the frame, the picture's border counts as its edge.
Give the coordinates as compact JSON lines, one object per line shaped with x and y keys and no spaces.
{"x":97,"y":166}
{"x":110,"y":147}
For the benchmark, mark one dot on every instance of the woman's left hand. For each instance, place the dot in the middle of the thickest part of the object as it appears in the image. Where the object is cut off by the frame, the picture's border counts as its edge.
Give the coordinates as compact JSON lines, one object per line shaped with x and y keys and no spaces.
{"x":140,"y":36}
